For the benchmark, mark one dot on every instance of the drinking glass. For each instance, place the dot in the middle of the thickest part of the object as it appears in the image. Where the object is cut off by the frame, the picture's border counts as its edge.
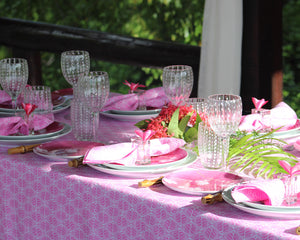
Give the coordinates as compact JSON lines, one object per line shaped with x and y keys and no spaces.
{"x":224,"y":112}
{"x":93,"y":90}
{"x":41,"y":97}
{"x":178,"y":83}
{"x":13,"y":77}
{"x":75,"y":63}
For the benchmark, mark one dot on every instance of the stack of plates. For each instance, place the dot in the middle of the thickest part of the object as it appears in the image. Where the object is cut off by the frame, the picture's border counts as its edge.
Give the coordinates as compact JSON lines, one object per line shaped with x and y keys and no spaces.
{"x":53,"y":131}
{"x":137,"y":115}
{"x":60,"y":103}
{"x":178,"y":159}
{"x":282,"y":212}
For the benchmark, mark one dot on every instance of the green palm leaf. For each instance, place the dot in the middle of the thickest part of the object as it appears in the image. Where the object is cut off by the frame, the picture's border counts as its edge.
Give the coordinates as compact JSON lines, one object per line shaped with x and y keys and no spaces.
{"x":261,"y":152}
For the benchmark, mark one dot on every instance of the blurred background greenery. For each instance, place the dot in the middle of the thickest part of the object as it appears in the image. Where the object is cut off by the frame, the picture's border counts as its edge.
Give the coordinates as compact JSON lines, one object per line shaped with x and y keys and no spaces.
{"x":167,"y":20}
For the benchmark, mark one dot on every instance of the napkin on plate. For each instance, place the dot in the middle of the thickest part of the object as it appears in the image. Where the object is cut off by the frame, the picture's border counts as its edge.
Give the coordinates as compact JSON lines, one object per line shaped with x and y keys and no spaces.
{"x":125,"y":153}
{"x":14,"y":125}
{"x":270,"y":192}
{"x":4,"y":97}
{"x":282,"y":115}
{"x":154,"y":97}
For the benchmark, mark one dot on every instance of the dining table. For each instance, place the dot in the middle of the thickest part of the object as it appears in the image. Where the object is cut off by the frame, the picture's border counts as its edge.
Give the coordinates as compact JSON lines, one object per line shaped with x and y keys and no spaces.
{"x":45,"y":199}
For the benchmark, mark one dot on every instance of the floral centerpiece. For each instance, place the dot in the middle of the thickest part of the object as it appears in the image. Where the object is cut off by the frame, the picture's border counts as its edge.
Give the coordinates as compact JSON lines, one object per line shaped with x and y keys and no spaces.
{"x":173,"y":121}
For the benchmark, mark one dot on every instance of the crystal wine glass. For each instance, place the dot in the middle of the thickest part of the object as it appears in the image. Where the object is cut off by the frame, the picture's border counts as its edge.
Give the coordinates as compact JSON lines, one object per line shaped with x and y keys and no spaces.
{"x":178,"y":83}
{"x":224,"y":112}
{"x":13,"y":77}
{"x":93,"y":91}
{"x":75,"y":63}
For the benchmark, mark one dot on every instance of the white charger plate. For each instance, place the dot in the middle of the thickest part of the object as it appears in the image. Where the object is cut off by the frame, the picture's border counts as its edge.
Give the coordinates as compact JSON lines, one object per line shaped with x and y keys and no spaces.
{"x":64,"y":150}
{"x":15,"y":142}
{"x":200,"y":181}
{"x":167,"y":160}
{"x":128,"y":117}
{"x":281,"y":214}
{"x":192,"y":157}
{"x":272,"y":208}
{"x":136,"y":112}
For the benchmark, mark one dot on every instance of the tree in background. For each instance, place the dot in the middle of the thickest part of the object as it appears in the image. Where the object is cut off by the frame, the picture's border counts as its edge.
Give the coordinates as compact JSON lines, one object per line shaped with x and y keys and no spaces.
{"x":166,"y":20}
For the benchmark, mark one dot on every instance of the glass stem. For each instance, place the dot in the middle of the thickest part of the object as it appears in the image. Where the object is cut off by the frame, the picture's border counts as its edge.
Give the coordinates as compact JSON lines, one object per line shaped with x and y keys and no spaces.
{"x":14,"y":104}
{"x":95,"y":125}
{"x":225,"y":148}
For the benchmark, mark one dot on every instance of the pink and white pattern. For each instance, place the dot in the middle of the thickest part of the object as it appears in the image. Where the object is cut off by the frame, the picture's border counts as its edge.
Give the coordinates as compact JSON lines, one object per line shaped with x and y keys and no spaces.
{"x":40,"y":199}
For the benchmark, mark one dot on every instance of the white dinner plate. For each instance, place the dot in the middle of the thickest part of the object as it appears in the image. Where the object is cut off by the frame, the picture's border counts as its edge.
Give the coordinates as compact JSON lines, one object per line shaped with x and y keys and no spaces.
{"x":128,"y":117}
{"x":13,"y":142}
{"x":261,"y":212}
{"x":66,"y":104}
{"x":64,"y":150}
{"x":53,"y":129}
{"x":136,"y":112}
{"x":62,"y":107}
{"x":200,"y":181}
{"x":192,"y":157}
{"x":167,"y":160}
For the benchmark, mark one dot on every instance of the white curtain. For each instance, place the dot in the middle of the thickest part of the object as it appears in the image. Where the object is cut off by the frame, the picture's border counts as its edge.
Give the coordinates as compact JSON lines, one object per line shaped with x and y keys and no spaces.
{"x":220,"y":63}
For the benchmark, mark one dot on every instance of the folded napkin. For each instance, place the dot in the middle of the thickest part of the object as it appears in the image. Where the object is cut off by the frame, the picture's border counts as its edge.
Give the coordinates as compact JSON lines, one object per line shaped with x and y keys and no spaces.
{"x":154,"y":98}
{"x":4,"y":97}
{"x":15,"y":125}
{"x":270,"y":192}
{"x":282,"y":115}
{"x":125,"y":153}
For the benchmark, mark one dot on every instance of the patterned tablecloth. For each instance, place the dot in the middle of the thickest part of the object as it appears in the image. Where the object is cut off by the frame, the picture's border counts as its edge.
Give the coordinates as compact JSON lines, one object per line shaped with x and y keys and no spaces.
{"x":41,"y":199}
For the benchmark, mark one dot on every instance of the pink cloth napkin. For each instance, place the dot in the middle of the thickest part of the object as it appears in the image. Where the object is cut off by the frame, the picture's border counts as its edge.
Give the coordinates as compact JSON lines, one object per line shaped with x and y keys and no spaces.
{"x":154,"y":97}
{"x":270,"y":192}
{"x":125,"y":153}
{"x":4,"y":97}
{"x":14,"y":125}
{"x":282,"y":115}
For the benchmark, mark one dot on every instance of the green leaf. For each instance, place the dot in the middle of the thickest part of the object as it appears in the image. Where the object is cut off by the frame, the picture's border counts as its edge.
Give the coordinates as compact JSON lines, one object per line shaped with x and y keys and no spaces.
{"x":184,"y":122}
{"x":191,"y":134}
{"x":142,"y":124}
{"x":173,"y":128}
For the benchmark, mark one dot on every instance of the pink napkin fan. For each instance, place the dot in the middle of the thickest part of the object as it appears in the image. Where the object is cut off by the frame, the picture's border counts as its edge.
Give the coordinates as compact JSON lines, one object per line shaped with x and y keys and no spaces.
{"x":270,"y":192}
{"x":125,"y":153}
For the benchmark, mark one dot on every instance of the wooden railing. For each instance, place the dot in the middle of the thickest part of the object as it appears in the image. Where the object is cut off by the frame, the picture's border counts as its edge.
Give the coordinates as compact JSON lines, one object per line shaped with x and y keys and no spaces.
{"x":28,"y":39}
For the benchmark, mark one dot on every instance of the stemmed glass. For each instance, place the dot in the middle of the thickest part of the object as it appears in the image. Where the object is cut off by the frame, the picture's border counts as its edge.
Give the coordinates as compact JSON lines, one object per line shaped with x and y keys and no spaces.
{"x":13,"y":77}
{"x":74,"y":63}
{"x":93,"y":91}
{"x":224,"y":112}
{"x":178,"y":83}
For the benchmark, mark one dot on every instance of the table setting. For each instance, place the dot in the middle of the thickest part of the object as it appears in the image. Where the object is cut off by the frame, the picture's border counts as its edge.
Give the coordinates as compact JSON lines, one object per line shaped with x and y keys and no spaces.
{"x":185,"y":150}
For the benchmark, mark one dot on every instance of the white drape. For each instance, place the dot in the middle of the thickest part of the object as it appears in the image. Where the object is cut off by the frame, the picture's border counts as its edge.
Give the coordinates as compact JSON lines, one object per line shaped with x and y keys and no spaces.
{"x":220,"y":63}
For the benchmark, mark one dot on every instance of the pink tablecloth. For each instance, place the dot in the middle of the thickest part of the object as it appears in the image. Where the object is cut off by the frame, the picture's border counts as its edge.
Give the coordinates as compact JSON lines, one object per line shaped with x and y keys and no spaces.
{"x":40,"y":199}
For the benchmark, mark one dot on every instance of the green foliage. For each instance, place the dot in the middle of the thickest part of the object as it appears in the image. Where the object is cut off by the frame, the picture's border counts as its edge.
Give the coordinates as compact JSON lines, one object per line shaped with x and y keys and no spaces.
{"x":166,"y":20}
{"x":291,"y":53}
{"x":259,"y":149}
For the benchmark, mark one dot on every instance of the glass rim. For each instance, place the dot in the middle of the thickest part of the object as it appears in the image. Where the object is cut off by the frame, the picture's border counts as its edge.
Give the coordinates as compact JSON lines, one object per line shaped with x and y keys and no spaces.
{"x":224,"y":97}
{"x":75,"y":52}
{"x":13,"y":60}
{"x":177,"y":67}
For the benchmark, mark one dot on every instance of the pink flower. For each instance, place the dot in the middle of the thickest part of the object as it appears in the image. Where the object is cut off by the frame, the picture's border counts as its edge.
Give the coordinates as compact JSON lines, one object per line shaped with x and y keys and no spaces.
{"x":287,"y":167}
{"x":258,"y":104}
{"x":133,"y":86}
{"x":145,"y":136}
{"x":29,"y":108}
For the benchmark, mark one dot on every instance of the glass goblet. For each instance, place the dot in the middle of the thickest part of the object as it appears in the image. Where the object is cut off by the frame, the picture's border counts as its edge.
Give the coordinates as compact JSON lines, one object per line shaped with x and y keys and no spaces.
{"x":178,"y":83}
{"x":224,"y":112}
{"x":13,"y":77}
{"x":93,"y":91}
{"x":74,"y":63}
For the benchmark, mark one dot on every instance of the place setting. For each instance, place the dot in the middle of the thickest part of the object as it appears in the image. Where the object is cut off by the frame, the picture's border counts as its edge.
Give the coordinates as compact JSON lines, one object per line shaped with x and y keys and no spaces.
{"x":32,"y":120}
